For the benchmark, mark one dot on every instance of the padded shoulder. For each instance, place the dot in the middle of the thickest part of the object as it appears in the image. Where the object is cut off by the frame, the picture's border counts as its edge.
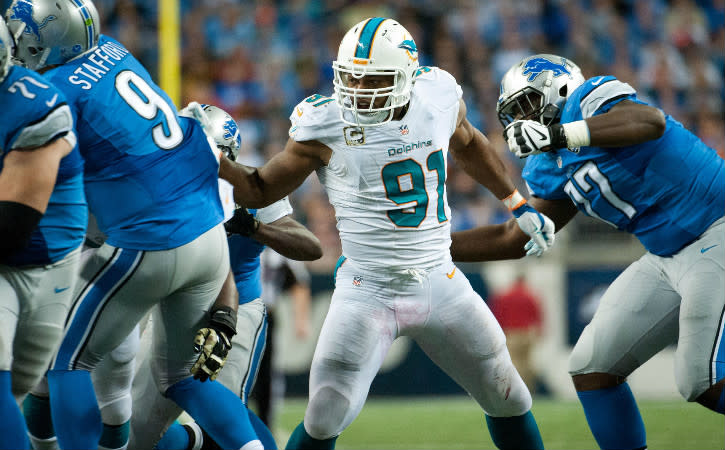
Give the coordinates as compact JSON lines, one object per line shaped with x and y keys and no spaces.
{"x":315,"y":118}
{"x":438,"y":87}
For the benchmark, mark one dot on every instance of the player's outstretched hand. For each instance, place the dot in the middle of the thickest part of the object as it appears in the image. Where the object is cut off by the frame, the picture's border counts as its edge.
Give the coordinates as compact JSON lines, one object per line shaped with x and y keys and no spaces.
{"x":213,"y":343}
{"x":242,"y":222}
{"x":537,"y":226}
{"x":528,"y":137}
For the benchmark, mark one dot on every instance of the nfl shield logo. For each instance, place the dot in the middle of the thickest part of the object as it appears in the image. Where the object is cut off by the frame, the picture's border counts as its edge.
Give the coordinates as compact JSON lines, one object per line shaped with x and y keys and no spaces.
{"x":403,"y":129}
{"x":356,"y":280}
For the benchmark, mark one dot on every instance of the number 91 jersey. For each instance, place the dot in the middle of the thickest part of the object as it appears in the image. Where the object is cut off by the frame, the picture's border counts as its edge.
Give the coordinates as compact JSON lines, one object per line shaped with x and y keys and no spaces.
{"x":150,"y":175}
{"x":387,"y":182}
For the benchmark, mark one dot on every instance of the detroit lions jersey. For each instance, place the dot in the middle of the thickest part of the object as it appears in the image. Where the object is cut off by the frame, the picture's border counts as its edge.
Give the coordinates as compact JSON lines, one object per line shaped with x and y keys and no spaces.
{"x":387,"y":183}
{"x":151,"y":177}
{"x":244,"y":252}
{"x":41,"y":115}
{"x":666,"y":191}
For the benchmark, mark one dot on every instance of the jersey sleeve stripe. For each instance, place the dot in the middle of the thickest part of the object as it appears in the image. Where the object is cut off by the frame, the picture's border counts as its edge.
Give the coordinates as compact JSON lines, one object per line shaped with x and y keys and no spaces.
{"x":605,"y":93}
{"x":57,"y":123}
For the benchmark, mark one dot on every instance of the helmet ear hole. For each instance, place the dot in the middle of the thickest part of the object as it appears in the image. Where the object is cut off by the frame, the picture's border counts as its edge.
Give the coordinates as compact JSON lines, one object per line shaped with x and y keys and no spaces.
{"x":562,"y":91}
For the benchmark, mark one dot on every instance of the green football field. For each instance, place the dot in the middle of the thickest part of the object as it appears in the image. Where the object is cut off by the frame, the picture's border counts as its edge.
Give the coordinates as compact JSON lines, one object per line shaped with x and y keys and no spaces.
{"x":457,"y":423}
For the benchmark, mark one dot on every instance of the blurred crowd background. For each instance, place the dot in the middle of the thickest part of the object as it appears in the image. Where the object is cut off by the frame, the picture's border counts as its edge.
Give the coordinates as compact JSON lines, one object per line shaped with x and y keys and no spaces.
{"x":258,"y":58}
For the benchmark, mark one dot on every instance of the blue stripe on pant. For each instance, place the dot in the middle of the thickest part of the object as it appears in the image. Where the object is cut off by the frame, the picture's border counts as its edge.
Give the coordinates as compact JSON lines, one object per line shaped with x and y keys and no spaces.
{"x":92,"y":299}
{"x":255,"y":359}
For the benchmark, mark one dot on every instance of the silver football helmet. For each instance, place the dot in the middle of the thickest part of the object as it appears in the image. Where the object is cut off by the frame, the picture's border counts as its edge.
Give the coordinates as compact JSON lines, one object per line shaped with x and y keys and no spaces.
{"x":49,"y":32}
{"x":7,"y":48}
{"x":536,"y":89}
{"x":224,"y":130}
{"x":375,"y":46}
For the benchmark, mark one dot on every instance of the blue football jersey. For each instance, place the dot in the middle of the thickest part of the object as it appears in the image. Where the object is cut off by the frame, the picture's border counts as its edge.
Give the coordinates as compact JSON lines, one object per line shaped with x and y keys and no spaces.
{"x":245,"y":263}
{"x":41,"y":115}
{"x":666,"y":191}
{"x":150,"y":175}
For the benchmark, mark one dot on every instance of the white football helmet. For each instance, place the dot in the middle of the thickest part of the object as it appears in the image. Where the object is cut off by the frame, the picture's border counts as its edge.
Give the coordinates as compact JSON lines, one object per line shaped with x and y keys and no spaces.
{"x":49,"y":32}
{"x":536,"y":89}
{"x":7,"y":48}
{"x":224,"y":130}
{"x":376,"y":46}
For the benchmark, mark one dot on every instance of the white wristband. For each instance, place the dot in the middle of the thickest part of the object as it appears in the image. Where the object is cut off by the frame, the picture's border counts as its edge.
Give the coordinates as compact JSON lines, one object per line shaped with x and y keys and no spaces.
{"x":577,"y":134}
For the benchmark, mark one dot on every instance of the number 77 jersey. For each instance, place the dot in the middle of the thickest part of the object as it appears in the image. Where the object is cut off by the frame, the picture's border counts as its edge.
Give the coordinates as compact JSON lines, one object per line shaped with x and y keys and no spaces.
{"x":150,"y":176}
{"x":387,"y":182}
{"x":665,"y":191}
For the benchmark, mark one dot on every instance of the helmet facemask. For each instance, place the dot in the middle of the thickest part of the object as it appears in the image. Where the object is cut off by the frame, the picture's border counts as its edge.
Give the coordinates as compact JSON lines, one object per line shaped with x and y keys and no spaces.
{"x":364,"y":106}
{"x":7,"y":48}
{"x":536,"y":89}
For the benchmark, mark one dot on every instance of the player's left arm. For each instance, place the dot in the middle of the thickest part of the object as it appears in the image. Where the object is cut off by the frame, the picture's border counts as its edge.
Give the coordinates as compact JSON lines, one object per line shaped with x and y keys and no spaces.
{"x":474,"y":153}
{"x":27,"y":181}
{"x":626,"y":123}
{"x":506,"y":240}
{"x":285,"y":235}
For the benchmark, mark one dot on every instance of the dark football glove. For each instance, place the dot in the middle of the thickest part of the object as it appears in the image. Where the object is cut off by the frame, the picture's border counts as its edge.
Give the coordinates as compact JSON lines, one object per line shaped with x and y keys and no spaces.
{"x":242,"y":222}
{"x":213,"y":343}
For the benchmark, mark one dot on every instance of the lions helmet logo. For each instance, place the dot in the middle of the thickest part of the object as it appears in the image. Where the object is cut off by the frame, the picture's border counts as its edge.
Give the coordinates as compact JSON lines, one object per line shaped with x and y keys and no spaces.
{"x":536,"y":66}
{"x":23,"y":11}
{"x":231,"y":132}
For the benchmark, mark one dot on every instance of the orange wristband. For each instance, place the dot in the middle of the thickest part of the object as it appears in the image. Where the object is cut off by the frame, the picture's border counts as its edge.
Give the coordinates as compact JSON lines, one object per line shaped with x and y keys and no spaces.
{"x":514,"y":201}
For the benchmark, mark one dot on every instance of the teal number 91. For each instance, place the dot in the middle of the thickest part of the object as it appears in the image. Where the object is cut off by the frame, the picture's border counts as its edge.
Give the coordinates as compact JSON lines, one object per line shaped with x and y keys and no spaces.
{"x":413,"y":215}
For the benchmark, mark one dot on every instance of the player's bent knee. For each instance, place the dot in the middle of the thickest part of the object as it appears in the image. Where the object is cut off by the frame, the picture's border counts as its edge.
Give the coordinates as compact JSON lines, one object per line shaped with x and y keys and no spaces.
{"x":326,"y":413}
{"x":689,"y":384}
{"x":117,"y":412}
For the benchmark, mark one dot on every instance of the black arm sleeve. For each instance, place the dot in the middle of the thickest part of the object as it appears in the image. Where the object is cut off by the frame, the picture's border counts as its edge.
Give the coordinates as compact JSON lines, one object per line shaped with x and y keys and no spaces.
{"x":17,"y":222}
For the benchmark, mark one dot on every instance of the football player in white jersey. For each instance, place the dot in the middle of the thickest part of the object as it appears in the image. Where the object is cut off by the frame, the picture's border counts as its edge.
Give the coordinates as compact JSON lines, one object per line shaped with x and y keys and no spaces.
{"x":380,"y":146}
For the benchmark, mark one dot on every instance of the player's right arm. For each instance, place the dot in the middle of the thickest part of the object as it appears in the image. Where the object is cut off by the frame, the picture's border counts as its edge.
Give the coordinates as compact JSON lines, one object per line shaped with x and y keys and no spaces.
{"x":256,"y":187}
{"x":506,"y":240}
{"x":289,"y":238}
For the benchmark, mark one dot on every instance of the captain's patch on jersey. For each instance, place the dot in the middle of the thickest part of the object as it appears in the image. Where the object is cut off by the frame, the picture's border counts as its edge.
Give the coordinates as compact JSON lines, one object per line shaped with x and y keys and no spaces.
{"x":354,"y":135}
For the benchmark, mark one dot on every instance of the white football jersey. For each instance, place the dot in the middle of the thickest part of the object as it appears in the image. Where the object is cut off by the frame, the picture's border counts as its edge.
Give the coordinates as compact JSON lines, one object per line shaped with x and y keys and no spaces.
{"x":387,"y":183}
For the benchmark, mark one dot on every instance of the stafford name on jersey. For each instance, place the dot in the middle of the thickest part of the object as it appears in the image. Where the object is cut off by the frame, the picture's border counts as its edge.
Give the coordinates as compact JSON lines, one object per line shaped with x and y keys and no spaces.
{"x":100,"y":57}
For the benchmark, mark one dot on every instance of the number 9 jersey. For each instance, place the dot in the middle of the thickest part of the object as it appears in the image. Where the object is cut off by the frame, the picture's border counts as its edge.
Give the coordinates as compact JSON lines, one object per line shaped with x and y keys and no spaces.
{"x":387,"y":182}
{"x":150,"y":175}
{"x":666,"y":191}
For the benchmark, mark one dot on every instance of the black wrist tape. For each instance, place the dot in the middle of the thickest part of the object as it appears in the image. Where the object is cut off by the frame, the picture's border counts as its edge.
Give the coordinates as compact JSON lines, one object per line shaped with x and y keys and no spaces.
{"x":224,"y":318}
{"x":17,"y":223}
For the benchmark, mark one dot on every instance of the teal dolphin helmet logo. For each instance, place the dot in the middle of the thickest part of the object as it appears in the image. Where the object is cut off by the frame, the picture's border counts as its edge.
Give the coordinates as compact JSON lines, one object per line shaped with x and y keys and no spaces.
{"x":409,"y":45}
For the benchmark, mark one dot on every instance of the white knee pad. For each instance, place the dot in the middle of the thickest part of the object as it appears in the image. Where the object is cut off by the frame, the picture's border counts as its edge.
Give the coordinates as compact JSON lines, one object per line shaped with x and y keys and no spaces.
{"x":507,"y":394}
{"x":253,"y":445}
{"x":581,"y":356}
{"x":112,"y":381}
{"x":326,"y":413}
{"x":691,"y":382}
